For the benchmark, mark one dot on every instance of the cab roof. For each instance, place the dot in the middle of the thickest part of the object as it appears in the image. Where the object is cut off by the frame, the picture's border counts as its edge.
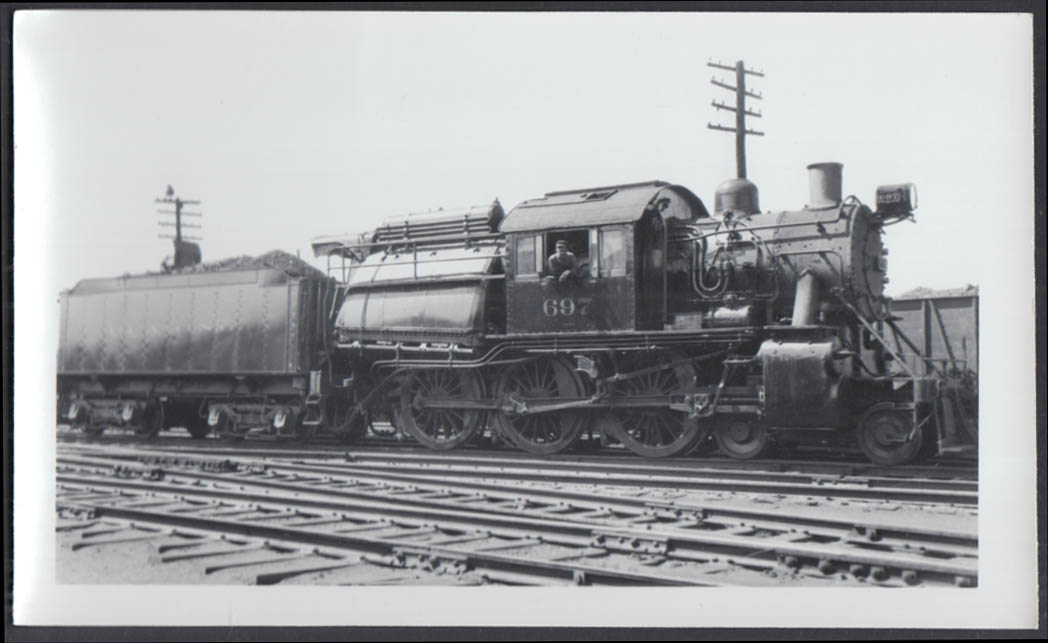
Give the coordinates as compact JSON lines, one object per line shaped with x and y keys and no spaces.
{"x":610,"y":204}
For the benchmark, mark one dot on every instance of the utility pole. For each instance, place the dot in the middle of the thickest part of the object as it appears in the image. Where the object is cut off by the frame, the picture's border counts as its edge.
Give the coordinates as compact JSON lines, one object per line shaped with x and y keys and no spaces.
{"x":739,"y":108}
{"x":186,"y":254}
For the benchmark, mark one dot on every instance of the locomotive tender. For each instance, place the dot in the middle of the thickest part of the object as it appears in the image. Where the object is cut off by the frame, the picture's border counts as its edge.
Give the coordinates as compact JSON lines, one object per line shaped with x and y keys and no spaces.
{"x":200,"y":350}
{"x":671,"y":325}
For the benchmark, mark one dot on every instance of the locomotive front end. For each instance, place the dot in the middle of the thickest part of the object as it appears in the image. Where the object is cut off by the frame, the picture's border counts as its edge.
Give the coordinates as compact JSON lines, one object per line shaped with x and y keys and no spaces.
{"x":798,"y":265}
{"x":813,"y":280}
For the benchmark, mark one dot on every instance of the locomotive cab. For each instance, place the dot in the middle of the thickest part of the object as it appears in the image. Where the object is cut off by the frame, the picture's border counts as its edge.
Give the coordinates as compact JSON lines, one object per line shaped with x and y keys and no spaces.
{"x":615,"y":278}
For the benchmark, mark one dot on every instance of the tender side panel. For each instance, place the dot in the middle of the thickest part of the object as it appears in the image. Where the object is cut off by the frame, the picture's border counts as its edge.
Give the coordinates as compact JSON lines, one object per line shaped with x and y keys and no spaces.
{"x":243,"y":322}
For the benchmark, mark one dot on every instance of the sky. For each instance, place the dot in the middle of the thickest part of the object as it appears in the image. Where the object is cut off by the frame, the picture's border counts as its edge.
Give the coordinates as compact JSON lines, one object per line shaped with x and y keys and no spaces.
{"x":288,"y":126}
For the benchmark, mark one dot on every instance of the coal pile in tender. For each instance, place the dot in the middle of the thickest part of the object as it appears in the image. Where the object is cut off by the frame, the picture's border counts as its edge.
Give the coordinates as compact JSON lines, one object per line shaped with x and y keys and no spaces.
{"x":283,"y":261}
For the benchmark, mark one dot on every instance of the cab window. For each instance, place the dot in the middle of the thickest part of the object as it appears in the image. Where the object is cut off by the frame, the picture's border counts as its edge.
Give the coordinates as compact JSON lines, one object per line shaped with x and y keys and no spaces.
{"x":529,"y":256}
{"x":612,"y":253}
{"x":578,"y":242}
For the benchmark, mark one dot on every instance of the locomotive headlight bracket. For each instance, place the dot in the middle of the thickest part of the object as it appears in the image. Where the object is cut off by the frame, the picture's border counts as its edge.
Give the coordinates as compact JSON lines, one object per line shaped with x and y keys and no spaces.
{"x":893,"y":200}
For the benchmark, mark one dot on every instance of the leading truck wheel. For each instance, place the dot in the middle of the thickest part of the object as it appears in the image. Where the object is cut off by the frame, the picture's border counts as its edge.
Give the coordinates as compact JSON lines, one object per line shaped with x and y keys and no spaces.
{"x":886,"y":435}
{"x":741,"y":438}
{"x":438,"y":427}
{"x":542,"y":381}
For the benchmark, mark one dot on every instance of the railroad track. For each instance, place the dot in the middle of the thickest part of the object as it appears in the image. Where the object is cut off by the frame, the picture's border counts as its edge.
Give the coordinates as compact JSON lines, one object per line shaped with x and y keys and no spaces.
{"x":418,"y":467}
{"x":948,"y":468}
{"x":316,"y":523}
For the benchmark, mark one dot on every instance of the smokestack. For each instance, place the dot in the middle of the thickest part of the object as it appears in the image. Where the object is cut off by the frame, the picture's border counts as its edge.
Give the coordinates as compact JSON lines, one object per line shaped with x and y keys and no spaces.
{"x":824,"y":184}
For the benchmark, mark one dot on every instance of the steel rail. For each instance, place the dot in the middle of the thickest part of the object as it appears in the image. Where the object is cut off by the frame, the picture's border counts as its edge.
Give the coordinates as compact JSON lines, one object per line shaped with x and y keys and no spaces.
{"x":678,"y":482}
{"x":959,"y":469}
{"x":709,"y":481}
{"x":724,"y":465}
{"x":699,"y":468}
{"x":691,"y":469}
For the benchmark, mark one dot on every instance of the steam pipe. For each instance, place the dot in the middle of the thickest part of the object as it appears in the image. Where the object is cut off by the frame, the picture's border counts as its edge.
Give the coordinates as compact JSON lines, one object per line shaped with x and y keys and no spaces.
{"x":806,"y":300}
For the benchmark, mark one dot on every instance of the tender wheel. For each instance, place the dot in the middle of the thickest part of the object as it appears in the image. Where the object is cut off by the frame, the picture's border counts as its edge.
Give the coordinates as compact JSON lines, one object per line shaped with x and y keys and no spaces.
{"x":653,"y":432}
{"x":741,"y":438}
{"x":541,"y":381}
{"x":440,"y":428}
{"x":152,"y":420}
{"x":886,"y":435}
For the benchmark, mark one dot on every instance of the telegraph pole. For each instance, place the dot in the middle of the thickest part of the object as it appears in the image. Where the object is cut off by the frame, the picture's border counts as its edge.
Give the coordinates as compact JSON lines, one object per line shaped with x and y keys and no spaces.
{"x":185,"y":253}
{"x":739,"y":108}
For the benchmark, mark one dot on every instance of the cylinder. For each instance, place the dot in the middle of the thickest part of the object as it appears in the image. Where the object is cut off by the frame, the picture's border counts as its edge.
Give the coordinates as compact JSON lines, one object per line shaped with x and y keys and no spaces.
{"x":824,"y":184}
{"x":806,"y":300}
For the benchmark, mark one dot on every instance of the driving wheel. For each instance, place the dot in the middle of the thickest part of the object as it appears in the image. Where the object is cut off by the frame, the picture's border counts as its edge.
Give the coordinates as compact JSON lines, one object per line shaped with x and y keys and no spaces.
{"x":427,"y":407}
{"x":524,"y":387}
{"x":653,"y":430}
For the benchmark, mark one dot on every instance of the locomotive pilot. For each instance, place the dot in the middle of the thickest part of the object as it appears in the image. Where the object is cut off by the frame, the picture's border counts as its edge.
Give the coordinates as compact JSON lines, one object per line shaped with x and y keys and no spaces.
{"x":561,"y":264}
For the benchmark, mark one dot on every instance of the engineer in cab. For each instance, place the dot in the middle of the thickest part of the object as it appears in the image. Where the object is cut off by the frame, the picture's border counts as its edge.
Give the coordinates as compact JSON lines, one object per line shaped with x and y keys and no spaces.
{"x":562,"y":264}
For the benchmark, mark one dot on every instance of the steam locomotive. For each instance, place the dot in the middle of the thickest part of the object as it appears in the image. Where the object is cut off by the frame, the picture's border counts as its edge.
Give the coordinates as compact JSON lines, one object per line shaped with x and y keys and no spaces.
{"x":658,"y":326}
